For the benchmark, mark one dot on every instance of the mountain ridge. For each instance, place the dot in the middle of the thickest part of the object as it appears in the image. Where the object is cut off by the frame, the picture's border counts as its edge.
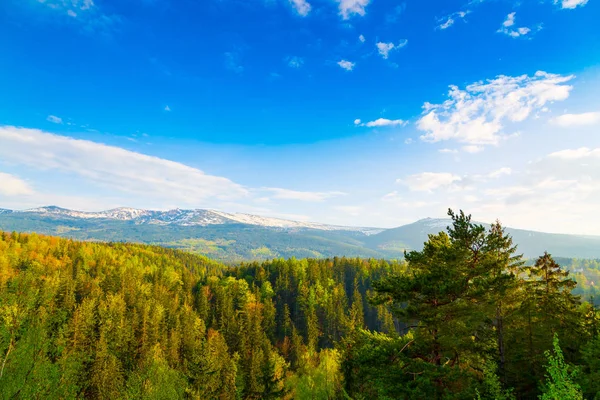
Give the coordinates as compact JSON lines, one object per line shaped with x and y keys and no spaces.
{"x":186,"y":217}
{"x":237,"y":237}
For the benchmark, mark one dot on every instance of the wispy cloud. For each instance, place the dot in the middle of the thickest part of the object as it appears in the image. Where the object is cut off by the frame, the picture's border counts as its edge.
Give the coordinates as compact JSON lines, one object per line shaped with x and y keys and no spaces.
{"x":563,"y":184}
{"x":136,"y":175}
{"x":10,"y":185}
{"x":114,"y":167}
{"x":571,"y":4}
{"x":361,"y":38}
{"x":167,"y":108}
{"x":352,"y":7}
{"x":87,"y":13}
{"x":347,"y":65}
{"x":429,"y":181}
{"x":302,"y":7}
{"x":54,"y":119}
{"x":449,"y":20}
{"x":505,"y":171}
{"x":507,"y":27}
{"x":476,"y":115}
{"x":557,"y":192}
{"x":380,"y":122}
{"x":72,"y":7}
{"x":471,"y":148}
{"x":384,"y":49}
{"x":448,"y":151}
{"x":294,"y":62}
{"x":569,"y":120}
{"x":576,"y":154}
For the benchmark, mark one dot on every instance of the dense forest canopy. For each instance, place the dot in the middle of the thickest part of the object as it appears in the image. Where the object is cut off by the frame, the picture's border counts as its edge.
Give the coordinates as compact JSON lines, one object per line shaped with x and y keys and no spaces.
{"x":464,"y":318}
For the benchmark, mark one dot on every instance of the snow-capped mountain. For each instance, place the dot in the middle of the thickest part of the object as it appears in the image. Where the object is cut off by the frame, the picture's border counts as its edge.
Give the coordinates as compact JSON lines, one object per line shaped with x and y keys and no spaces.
{"x":240,"y":236}
{"x":181,"y":217}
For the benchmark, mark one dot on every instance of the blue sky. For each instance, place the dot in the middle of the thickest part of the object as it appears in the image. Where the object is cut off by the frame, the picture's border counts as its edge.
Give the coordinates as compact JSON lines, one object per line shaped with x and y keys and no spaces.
{"x":357,"y":112}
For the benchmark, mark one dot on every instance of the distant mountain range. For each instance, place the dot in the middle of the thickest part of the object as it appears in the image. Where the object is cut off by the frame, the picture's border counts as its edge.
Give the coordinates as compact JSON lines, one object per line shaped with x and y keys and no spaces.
{"x":181,"y":218}
{"x":235,"y":237}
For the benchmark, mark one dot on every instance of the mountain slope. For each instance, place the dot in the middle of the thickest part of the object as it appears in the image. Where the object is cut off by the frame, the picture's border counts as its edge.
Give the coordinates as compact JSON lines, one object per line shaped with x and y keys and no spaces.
{"x":234,"y":237}
{"x":530,"y":243}
{"x":181,"y":217}
{"x":213,"y":233}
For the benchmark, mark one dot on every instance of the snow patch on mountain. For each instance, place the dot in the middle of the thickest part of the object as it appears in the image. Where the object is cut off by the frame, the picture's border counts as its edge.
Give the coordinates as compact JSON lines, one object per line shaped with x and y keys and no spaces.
{"x":250,"y":219}
{"x":436,"y":222}
{"x":197,"y":217}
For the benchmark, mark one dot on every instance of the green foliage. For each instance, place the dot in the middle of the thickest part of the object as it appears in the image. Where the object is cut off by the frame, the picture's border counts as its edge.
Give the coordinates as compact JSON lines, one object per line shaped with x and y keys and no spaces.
{"x":589,"y":377}
{"x":112,"y":321}
{"x":466,"y":304}
{"x":560,"y":381}
{"x":491,"y":385}
{"x":319,"y":377}
{"x":121,"y":321}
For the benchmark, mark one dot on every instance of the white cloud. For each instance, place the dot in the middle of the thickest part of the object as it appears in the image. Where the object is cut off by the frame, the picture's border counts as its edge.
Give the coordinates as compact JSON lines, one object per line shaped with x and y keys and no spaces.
{"x":385,"y":48}
{"x":295,"y":62}
{"x":449,"y":20}
{"x":351,"y":7}
{"x":471,"y":148}
{"x":448,"y":151}
{"x":10,"y":185}
{"x":361,"y":38}
{"x":429,"y":181}
{"x":167,"y":108}
{"x":477,"y":114}
{"x":54,"y":119}
{"x":286,"y":194}
{"x":347,"y":65}
{"x":85,"y":12}
{"x":571,"y":4}
{"x":510,"y":20}
{"x":70,"y":7}
{"x":576,"y":154}
{"x":568,"y":120}
{"x":114,"y":167}
{"x":380,"y":122}
{"x":302,"y":7}
{"x":558,"y":192}
{"x":507,"y":29}
{"x":408,"y":141}
{"x":500,"y":172}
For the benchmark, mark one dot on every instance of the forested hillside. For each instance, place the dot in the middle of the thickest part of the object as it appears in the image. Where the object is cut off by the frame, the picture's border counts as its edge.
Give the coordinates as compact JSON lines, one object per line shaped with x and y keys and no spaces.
{"x":251,"y":237}
{"x":464,"y":318}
